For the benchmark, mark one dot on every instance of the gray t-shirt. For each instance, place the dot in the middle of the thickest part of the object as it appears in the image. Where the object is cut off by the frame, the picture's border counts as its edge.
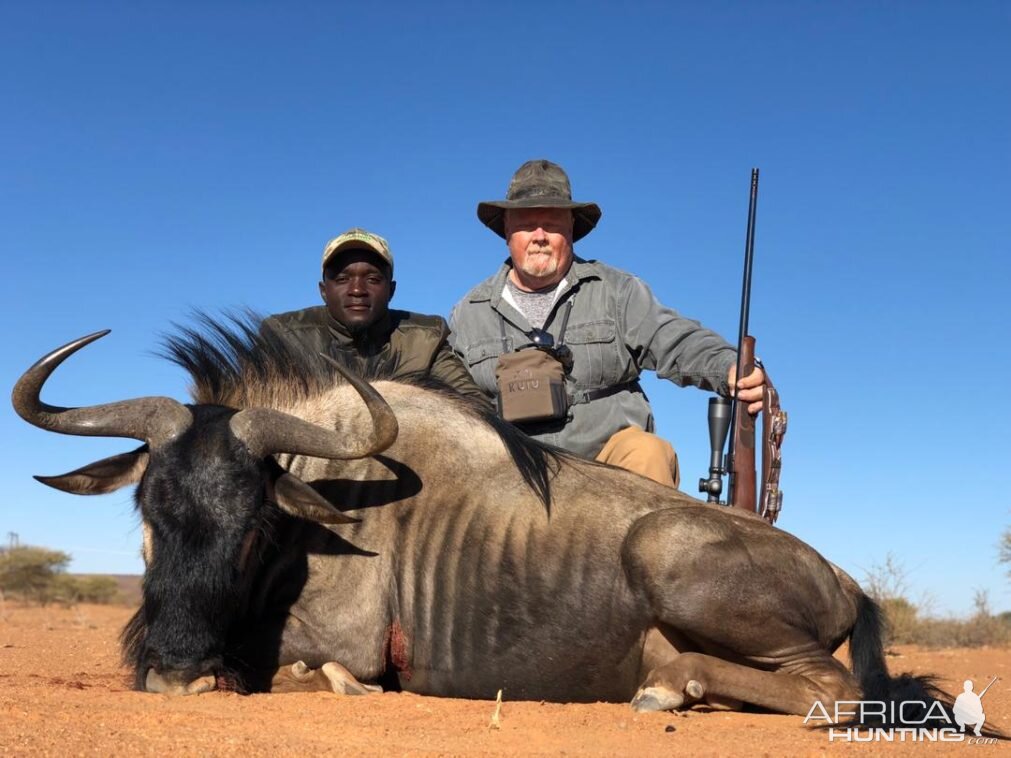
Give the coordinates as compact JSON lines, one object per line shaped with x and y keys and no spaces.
{"x":535,"y":306}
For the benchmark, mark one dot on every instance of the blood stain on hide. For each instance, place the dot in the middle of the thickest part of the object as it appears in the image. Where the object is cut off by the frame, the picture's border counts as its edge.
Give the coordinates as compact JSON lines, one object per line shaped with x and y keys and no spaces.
{"x":396,"y":649}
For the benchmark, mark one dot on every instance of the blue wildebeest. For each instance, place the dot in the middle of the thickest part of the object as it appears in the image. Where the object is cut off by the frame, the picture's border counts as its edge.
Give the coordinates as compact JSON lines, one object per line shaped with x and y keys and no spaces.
{"x":305,"y":529}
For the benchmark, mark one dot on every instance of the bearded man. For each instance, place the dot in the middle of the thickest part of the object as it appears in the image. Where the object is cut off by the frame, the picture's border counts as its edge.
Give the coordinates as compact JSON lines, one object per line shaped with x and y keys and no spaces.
{"x":602,"y":326}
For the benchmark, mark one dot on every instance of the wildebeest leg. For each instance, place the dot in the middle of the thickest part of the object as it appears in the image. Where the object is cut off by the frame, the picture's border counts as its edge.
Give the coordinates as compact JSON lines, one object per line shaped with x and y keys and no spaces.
{"x":692,"y":677}
{"x":330,"y":677}
{"x":765,"y":610}
{"x":660,"y":647}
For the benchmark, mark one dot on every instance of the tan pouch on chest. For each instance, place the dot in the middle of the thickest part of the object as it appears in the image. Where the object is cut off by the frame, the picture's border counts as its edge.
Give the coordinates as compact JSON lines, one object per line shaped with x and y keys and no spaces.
{"x":531,"y":386}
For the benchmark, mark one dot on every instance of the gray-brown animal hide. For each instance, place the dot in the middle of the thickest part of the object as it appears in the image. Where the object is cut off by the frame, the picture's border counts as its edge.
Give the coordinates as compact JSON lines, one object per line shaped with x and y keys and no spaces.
{"x":450,"y":569}
{"x":492,"y":590}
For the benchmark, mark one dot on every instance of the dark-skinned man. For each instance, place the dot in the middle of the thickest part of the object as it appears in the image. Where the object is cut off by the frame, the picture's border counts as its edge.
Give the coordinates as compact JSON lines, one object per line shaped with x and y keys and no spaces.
{"x":356,"y":286}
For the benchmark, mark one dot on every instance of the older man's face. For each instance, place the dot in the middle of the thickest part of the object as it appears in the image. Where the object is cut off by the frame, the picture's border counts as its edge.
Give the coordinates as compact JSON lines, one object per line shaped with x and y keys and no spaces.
{"x":540,"y":245}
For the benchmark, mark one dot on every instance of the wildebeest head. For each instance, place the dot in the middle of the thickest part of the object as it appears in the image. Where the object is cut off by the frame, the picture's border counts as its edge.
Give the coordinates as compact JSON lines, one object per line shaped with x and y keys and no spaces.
{"x":206,"y":481}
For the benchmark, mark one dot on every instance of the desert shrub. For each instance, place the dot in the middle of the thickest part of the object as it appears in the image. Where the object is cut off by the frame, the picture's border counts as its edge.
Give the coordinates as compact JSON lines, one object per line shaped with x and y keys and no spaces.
{"x":1004,"y":549}
{"x":886,"y":584}
{"x":97,"y":589}
{"x":901,"y":620}
{"x":62,"y":589}
{"x":982,"y":627}
{"x":70,"y":590}
{"x":38,"y":574}
{"x":28,"y":572}
{"x":909,"y":623}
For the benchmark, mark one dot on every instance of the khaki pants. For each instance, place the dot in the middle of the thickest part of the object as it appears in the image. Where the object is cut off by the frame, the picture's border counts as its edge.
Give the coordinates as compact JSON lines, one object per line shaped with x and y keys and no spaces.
{"x":644,"y":453}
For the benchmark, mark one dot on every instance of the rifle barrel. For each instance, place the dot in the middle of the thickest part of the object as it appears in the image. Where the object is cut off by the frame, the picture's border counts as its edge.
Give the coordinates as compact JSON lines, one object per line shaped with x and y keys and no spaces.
{"x":749,"y":257}
{"x":742,"y":332}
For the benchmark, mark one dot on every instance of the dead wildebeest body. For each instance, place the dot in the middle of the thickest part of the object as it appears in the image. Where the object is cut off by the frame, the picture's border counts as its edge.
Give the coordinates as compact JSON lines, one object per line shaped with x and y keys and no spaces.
{"x":480,"y":590}
{"x":457,"y":560}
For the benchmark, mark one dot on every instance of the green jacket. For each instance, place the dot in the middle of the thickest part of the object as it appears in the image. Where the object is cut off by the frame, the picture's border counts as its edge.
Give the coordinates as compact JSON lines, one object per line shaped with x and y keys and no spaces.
{"x":417,"y":342}
{"x":616,"y":329}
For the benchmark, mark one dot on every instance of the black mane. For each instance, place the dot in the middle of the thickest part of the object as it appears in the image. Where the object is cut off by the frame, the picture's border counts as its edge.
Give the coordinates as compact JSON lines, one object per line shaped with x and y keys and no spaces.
{"x":236,"y":362}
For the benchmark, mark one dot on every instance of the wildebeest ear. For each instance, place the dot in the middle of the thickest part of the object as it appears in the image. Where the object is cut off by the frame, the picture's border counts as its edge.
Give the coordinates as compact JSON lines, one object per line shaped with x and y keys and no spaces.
{"x":299,"y":499}
{"x":102,"y":476}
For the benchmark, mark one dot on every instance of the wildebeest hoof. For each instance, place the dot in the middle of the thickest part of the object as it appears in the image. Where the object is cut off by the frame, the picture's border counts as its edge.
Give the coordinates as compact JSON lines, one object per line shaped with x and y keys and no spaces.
{"x":343,"y":682}
{"x":169,"y":684}
{"x":331,"y":677}
{"x":657,"y":699}
{"x":300,"y":671}
{"x":694,"y":689}
{"x":299,"y":678}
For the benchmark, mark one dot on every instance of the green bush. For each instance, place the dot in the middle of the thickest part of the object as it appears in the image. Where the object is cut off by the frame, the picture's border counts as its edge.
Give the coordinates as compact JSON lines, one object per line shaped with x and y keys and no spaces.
{"x":37,"y":574}
{"x":96,"y":589}
{"x":901,"y":620}
{"x":29,"y":572}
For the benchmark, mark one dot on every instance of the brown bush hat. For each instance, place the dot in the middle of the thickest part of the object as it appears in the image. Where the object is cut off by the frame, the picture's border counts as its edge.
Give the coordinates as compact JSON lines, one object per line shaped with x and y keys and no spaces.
{"x":539,"y":184}
{"x":357,"y":238}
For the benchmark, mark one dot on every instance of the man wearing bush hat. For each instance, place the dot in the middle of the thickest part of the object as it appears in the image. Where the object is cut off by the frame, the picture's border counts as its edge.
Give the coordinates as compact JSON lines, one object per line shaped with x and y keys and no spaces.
{"x":356,"y":286}
{"x":604,"y":327}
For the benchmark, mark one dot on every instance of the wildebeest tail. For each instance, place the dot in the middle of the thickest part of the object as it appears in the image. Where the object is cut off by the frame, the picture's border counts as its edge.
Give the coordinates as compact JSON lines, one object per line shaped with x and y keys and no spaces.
{"x":868,"y":655}
{"x":867,"y":650}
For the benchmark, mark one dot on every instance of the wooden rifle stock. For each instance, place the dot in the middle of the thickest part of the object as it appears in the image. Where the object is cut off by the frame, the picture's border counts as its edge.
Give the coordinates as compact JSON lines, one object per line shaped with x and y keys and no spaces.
{"x":742,"y":467}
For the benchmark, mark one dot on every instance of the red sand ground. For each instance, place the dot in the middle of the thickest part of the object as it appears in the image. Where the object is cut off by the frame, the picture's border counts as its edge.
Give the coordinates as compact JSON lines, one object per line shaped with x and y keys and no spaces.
{"x":64,"y":692}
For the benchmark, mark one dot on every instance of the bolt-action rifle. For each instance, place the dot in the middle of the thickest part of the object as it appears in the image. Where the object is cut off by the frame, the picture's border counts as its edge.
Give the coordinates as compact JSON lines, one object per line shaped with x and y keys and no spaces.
{"x":739,"y":461}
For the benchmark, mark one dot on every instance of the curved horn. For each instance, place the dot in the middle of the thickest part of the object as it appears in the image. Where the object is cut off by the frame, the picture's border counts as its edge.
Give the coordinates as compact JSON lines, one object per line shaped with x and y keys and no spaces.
{"x":265,"y":431}
{"x":154,"y":420}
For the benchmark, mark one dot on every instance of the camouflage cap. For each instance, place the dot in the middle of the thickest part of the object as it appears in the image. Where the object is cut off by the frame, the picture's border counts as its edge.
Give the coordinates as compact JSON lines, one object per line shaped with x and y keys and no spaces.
{"x":539,"y":184}
{"x":357,"y":238}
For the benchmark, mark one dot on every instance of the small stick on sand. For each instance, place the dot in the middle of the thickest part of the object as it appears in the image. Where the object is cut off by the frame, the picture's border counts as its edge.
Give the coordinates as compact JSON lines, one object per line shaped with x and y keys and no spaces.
{"x":496,"y":722}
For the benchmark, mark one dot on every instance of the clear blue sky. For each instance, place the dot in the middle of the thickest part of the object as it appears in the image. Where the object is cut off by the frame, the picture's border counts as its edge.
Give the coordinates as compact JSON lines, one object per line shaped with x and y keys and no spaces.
{"x":160,"y":157}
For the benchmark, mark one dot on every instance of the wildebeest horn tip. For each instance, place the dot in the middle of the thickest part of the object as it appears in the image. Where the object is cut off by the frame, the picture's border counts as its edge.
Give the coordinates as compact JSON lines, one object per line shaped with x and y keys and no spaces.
{"x":152,"y":419}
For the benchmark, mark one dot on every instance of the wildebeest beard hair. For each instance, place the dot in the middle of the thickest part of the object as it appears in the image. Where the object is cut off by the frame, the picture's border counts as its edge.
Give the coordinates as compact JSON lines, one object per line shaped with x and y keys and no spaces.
{"x":235,"y":362}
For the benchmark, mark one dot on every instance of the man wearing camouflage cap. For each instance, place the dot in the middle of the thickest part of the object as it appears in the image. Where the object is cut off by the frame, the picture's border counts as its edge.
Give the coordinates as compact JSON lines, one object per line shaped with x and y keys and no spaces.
{"x":356,"y":286}
{"x":604,"y":326}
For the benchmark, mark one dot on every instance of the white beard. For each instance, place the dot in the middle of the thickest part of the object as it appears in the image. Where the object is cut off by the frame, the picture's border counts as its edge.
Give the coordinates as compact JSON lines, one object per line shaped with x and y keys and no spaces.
{"x":540,"y":265}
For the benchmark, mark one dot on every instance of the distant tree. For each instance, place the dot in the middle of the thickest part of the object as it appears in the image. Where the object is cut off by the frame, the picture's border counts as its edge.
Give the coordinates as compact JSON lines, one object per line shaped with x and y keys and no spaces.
{"x":70,"y":590}
{"x":1005,"y":549}
{"x":96,"y":589}
{"x":29,"y":571}
{"x":62,"y":588}
{"x":886,"y":581}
